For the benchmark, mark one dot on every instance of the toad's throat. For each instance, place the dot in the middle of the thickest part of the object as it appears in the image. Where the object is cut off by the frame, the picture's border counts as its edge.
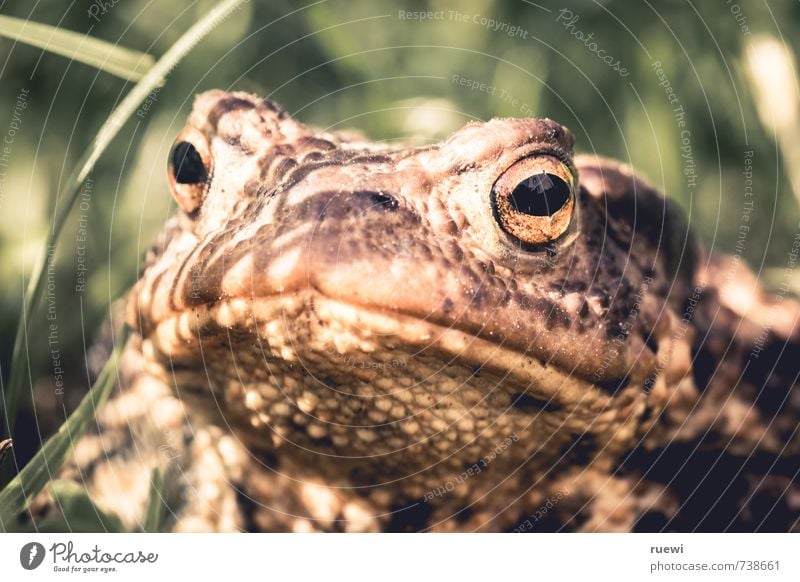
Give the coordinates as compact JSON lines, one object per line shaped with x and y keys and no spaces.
{"x":285,"y":373}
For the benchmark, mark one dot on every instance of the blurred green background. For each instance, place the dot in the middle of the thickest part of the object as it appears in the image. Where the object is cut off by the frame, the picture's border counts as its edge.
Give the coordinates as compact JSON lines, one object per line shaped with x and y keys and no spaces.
{"x":364,"y":65}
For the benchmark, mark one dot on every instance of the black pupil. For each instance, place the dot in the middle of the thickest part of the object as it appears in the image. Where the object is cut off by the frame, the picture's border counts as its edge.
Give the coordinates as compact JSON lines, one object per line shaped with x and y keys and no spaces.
{"x":187,"y":164}
{"x":540,"y":195}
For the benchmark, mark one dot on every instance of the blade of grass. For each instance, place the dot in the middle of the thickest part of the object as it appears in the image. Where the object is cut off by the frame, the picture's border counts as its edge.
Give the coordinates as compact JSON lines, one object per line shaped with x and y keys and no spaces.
{"x":126,"y":63}
{"x":78,"y":513}
{"x":5,"y":446}
{"x":772,"y":73}
{"x":127,"y":107}
{"x":18,"y":493}
{"x":155,"y":503}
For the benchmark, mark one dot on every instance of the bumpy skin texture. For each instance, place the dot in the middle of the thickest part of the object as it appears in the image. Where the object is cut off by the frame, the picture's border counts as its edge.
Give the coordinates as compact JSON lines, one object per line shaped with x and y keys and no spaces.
{"x":342,"y":338}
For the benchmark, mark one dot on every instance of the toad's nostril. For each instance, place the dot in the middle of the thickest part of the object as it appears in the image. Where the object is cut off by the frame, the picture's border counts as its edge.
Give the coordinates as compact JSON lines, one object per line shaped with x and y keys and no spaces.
{"x":385,"y":201}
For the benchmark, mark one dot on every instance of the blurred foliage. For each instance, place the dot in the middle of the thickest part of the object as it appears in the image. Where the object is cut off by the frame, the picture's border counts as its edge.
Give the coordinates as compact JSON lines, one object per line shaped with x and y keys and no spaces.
{"x":340,"y":64}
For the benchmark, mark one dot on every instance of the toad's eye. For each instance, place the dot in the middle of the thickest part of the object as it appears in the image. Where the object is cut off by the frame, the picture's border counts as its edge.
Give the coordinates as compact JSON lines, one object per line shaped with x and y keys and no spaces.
{"x":534,"y":200}
{"x":189,"y":169}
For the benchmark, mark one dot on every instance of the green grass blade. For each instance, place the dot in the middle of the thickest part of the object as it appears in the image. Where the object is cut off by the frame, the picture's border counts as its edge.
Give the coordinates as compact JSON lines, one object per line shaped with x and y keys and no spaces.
{"x":127,"y":107}
{"x":78,"y":513}
{"x":18,"y":493}
{"x":126,"y":63}
{"x":5,"y":446}
{"x":153,"y":516}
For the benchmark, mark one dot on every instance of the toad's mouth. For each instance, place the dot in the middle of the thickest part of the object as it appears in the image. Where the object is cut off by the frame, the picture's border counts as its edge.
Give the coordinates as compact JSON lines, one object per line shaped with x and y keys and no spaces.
{"x":301,"y":328}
